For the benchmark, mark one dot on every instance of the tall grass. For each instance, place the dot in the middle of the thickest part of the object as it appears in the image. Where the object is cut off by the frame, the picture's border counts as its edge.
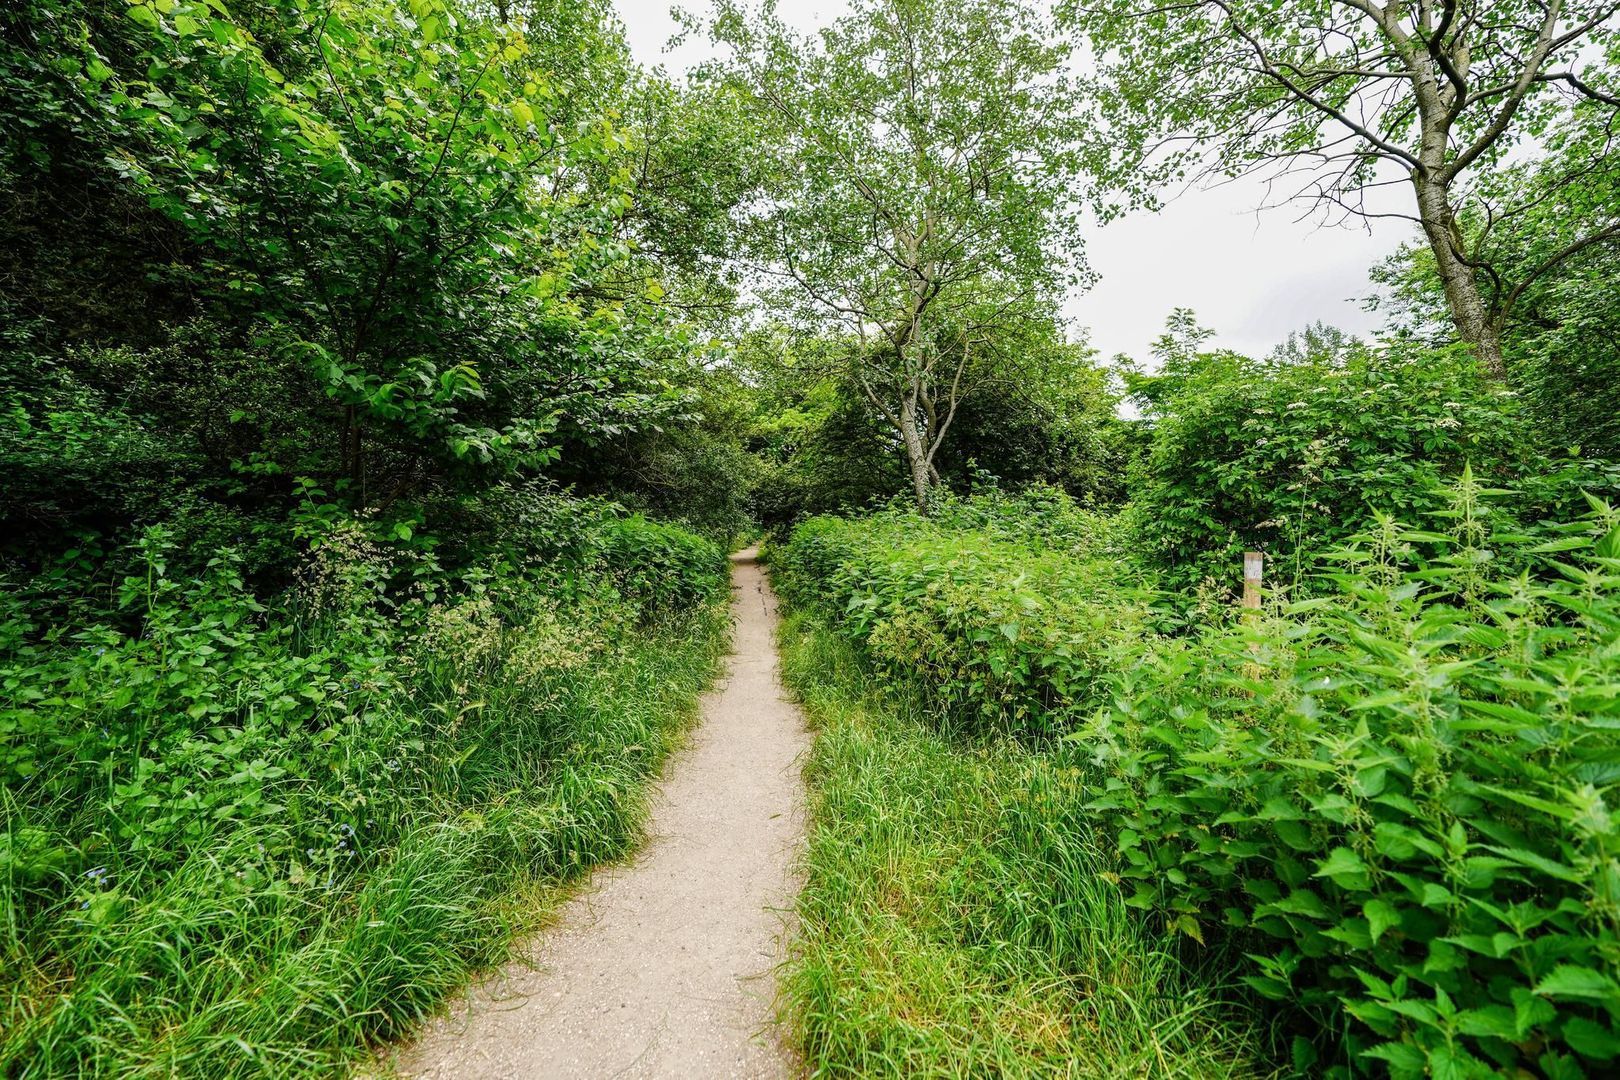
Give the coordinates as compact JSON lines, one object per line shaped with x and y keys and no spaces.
{"x":233,"y":957}
{"x":1390,"y":804}
{"x":953,"y":921}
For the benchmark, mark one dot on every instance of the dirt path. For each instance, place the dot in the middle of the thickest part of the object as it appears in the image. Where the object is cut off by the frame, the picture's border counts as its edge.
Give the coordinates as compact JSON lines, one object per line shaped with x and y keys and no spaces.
{"x":662,"y":967}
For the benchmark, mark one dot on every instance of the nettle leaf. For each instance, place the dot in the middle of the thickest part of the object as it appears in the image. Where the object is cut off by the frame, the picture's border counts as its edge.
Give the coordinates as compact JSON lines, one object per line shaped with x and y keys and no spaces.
{"x":1609,"y":546}
{"x":1381,"y":915}
{"x":1402,"y":1057}
{"x":1590,"y":1039}
{"x":1299,"y":902}
{"x":1492,"y":1021}
{"x":1530,"y":1011}
{"x":1538,"y":862}
{"x":1345,"y":867}
{"x":1570,"y":981}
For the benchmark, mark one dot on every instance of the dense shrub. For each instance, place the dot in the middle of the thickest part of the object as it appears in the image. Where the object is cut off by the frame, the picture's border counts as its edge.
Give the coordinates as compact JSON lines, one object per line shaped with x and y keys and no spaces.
{"x":246,"y":836}
{"x":1004,"y":633}
{"x":1291,"y":458}
{"x":1395,"y":797}
{"x":1404,"y":787}
{"x":661,"y":567}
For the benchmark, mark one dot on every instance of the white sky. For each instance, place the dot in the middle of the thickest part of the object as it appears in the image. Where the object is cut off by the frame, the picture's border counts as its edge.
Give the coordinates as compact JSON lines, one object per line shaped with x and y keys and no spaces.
{"x":1251,"y":276}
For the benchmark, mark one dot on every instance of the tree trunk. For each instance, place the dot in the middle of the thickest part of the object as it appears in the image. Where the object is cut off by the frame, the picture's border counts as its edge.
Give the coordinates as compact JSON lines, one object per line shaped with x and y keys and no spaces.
{"x":916,"y":457}
{"x":1475,"y":323}
{"x":353,"y":454}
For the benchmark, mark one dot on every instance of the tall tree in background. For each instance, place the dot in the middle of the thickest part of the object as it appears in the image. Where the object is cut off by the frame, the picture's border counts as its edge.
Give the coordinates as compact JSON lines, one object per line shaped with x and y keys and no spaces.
{"x":405,"y":219}
{"x":921,"y":200}
{"x":1562,"y":344}
{"x":1353,"y":95}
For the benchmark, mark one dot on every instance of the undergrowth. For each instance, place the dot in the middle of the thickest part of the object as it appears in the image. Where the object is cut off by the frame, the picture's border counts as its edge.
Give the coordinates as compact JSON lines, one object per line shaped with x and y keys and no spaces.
{"x":1390,"y":801}
{"x":241,"y":838}
{"x":954,"y":920}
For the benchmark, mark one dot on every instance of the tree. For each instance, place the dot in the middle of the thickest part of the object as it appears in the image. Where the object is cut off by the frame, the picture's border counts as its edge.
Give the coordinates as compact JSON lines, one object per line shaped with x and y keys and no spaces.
{"x":406,"y":201}
{"x":920,"y":202}
{"x":387,"y":248}
{"x":1562,"y":345}
{"x":1355,"y":95}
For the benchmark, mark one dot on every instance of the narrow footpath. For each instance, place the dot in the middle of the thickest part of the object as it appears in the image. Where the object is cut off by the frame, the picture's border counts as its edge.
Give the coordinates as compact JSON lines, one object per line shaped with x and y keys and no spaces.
{"x":663,"y":966}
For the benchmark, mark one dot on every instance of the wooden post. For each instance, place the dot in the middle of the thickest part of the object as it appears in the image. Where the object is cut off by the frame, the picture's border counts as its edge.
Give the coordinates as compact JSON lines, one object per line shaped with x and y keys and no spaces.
{"x":1254,"y":564}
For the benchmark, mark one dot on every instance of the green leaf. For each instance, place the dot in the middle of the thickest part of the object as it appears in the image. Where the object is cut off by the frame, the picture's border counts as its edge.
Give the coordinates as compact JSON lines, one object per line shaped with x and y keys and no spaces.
{"x":1537,"y":862}
{"x":1530,"y":1011}
{"x":1569,"y":981}
{"x":145,"y":16}
{"x":1345,"y":867}
{"x":1401,"y":1056}
{"x":1609,"y":546}
{"x":1492,"y":1021}
{"x":1591,"y":1040}
{"x":1381,"y":914}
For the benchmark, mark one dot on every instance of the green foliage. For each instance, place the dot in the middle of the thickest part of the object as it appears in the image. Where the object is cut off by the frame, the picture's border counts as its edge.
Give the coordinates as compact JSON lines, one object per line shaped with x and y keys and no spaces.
{"x":1398,"y":793}
{"x":918,"y":214}
{"x":697,"y":473}
{"x":1291,"y":457}
{"x":1561,"y":334}
{"x":662,"y":567}
{"x":1247,"y":85}
{"x":1393,"y":798}
{"x":395,"y":249}
{"x":362,"y":178}
{"x":954,"y":920}
{"x":1042,"y":412}
{"x":309,"y":674}
{"x":1005,"y":633}
{"x":823,"y":452}
{"x":240,"y":837}
{"x":1436,"y":97}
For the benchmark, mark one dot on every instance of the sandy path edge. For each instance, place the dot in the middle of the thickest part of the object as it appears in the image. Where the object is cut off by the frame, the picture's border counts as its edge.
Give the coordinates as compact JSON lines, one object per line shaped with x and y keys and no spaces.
{"x":663,"y":966}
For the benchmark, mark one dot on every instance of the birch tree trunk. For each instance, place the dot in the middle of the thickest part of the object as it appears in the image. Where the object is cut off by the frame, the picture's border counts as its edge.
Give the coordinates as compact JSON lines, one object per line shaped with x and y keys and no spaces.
{"x":916,"y":455}
{"x":1469,"y":311}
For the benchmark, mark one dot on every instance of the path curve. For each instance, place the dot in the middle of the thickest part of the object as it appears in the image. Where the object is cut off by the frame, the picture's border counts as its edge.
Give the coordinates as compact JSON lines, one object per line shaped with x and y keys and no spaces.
{"x":662,"y":967}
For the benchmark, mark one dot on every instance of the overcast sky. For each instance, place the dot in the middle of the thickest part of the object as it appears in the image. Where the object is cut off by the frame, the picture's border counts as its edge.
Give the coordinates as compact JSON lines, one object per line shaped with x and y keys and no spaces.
{"x":1252,"y":277}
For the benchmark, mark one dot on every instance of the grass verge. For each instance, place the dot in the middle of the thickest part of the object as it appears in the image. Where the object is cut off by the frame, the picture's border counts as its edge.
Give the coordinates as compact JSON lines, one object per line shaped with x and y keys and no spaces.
{"x":285,"y":969}
{"x":953,"y":922}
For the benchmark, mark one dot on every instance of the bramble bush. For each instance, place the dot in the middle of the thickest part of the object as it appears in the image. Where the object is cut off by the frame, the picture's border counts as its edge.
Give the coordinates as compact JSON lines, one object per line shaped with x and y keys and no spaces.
{"x":1393,"y":797}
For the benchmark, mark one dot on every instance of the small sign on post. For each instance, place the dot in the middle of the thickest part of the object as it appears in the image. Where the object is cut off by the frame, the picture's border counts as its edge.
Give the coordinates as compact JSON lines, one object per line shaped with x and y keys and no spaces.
{"x":1254,"y":565}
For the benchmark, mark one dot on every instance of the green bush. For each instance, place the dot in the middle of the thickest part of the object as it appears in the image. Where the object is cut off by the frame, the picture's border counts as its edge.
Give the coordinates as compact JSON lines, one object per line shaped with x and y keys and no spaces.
{"x":1004,"y":634}
{"x":1403,"y":788}
{"x":568,"y":546}
{"x":1394,"y":797}
{"x":242,"y":836}
{"x":661,"y":567}
{"x":1292,"y":458}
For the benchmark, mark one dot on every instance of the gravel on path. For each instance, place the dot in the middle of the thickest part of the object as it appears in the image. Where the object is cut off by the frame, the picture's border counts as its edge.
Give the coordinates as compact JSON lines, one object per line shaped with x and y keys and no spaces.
{"x":663,"y":966}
